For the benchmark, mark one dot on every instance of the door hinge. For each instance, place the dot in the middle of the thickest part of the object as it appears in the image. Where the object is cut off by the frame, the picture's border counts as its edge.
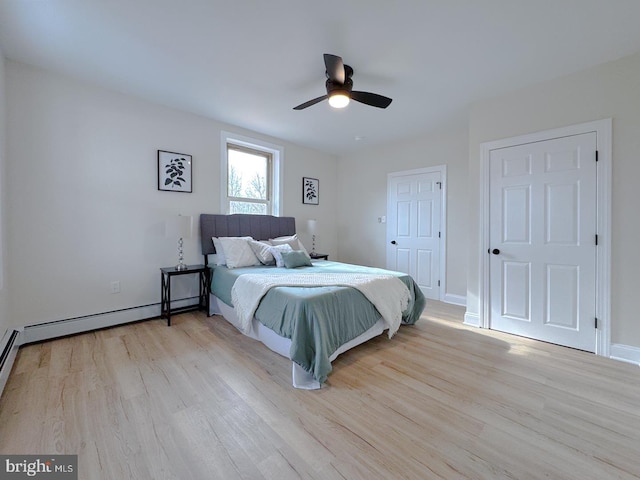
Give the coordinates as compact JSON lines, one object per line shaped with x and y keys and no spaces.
{"x":596,"y":239}
{"x":438,"y":282}
{"x":596,"y":323}
{"x":596,"y":155}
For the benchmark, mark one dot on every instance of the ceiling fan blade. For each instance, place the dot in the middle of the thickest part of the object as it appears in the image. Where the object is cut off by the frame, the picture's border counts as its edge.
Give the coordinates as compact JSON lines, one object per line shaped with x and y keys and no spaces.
{"x":372,"y":99}
{"x":335,"y":67}
{"x":310,"y":102}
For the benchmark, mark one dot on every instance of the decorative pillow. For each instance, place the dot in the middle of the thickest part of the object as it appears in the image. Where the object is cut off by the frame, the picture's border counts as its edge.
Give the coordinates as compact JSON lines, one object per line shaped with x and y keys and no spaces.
{"x":238,"y":252}
{"x":277,"y":251}
{"x":261,"y":250}
{"x":293,"y":241}
{"x":295,"y":258}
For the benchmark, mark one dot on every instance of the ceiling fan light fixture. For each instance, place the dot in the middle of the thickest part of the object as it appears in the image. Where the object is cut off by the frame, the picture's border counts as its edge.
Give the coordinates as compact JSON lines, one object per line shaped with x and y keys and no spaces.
{"x":339,"y":99}
{"x":339,"y":87}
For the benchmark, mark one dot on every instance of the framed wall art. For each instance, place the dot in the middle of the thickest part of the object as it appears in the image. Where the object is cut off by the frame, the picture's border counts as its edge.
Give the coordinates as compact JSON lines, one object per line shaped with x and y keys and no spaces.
{"x":310,"y":191}
{"x":174,"y":171}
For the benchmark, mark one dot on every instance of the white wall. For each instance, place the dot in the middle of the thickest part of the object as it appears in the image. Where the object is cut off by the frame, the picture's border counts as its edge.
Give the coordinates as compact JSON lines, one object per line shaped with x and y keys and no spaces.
{"x":362,"y":180}
{"x":4,"y":284}
{"x":609,"y":90}
{"x":84,"y":205}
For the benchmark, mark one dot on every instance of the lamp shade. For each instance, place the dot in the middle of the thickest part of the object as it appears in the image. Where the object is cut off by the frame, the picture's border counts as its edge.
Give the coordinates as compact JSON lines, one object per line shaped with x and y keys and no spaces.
{"x":179,"y":226}
{"x":311,"y":226}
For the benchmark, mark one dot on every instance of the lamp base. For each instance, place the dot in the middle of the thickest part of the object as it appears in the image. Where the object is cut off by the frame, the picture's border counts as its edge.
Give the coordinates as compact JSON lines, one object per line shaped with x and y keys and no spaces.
{"x":181,"y":266}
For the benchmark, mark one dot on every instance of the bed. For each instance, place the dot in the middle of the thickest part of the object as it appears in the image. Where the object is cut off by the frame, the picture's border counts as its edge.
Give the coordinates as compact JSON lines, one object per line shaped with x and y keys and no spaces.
{"x":309,"y":314}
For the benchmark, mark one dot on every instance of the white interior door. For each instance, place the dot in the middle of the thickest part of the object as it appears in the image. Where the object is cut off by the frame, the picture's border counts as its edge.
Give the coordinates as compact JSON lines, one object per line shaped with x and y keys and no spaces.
{"x":543,"y":240}
{"x":413,"y":228}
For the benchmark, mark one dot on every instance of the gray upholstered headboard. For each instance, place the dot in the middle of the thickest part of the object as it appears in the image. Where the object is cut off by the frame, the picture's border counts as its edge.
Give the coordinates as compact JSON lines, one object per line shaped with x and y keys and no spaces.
{"x":260,"y":227}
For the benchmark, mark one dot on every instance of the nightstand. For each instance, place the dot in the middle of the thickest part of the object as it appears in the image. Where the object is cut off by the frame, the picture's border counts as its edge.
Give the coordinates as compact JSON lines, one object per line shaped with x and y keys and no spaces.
{"x":319,"y":256}
{"x":204,"y":274}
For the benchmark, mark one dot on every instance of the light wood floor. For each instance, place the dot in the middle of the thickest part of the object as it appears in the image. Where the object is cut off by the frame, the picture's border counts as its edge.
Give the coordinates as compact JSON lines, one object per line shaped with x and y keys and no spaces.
{"x":440,"y":400}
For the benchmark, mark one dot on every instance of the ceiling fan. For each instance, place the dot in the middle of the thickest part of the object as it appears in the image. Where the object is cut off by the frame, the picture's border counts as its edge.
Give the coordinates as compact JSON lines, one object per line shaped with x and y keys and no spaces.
{"x":339,"y":85}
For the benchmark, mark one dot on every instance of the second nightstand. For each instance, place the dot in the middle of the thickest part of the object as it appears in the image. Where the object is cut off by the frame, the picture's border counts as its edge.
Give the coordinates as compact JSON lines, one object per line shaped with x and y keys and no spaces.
{"x":319,"y":256}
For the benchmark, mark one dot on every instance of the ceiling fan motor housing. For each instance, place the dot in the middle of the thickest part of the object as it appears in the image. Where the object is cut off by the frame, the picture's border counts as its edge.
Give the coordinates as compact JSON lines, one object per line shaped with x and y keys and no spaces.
{"x":335,"y":86}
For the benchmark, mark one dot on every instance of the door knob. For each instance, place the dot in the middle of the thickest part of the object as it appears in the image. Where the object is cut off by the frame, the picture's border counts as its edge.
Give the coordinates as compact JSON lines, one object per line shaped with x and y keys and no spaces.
{"x":393,"y":242}
{"x":495,"y":251}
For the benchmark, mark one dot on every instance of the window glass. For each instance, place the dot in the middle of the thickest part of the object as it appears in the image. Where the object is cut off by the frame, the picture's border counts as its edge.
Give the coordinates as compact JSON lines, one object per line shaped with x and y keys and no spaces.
{"x":248,"y":180}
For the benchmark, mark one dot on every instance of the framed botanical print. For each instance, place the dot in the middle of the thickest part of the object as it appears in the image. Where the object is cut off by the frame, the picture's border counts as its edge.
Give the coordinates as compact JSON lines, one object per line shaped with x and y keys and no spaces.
{"x":174,"y":172}
{"x":310,"y":191}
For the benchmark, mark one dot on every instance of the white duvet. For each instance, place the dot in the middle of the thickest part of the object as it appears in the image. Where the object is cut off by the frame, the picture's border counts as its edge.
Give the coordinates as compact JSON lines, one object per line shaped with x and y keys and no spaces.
{"x":387,"y":293}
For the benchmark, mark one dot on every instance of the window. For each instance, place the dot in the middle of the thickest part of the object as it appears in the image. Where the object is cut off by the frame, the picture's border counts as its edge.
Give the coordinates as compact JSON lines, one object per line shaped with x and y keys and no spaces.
{"x":250,"y":176}
{"x":248,"y":185}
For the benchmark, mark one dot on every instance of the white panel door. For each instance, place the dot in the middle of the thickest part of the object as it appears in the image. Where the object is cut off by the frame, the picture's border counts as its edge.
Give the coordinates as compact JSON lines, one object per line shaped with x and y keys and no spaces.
{"x":413,"y":228}
{"x":542,"y":237}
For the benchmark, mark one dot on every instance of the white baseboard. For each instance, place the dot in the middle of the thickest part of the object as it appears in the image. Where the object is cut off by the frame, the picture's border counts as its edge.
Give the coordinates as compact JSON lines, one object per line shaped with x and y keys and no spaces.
{"x":472,"y":319}
{"x":625,"y":353}
{"x":455,"y":299}
{"x":61,"y":328}
{"x":8,"y":350}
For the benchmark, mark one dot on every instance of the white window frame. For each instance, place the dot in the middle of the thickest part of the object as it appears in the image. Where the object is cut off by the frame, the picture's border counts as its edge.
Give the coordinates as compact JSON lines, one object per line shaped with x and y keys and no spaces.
{"x":266,"y":201}
{"x":277,"y":157}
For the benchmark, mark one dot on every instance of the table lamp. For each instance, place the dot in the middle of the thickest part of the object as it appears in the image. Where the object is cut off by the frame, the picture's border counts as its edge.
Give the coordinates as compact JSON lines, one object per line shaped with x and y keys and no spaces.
{"x":311,"y":227}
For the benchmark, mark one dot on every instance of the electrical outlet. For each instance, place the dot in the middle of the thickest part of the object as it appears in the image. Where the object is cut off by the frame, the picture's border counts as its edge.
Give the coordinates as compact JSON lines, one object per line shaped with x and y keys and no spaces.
{"x":115,"y":286}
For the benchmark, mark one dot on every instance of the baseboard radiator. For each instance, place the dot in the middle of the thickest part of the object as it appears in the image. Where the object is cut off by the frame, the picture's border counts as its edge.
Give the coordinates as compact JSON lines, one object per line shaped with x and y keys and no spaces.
{"x":9,"y":349}
{"x":71,"y":326}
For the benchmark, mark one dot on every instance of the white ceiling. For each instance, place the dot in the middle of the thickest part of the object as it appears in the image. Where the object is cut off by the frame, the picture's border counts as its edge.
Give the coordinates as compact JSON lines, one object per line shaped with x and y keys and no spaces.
{"x":249,"y":62}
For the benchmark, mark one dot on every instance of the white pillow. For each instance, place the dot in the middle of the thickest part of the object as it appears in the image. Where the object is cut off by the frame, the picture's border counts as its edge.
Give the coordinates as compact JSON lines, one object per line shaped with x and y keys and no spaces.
{"x":219,"y":258}
{"x":293,"y":241}
{"x":261,"y":250}
{"x":227,"y":247}
{"x":277,"y":251}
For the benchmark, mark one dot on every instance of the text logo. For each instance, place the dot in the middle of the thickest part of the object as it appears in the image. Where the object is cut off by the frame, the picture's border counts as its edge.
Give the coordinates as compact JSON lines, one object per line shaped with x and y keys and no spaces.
{"x":42,"y":467}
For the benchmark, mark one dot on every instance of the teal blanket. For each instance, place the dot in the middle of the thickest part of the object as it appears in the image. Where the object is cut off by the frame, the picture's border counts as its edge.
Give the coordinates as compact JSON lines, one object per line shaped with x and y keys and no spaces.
{"x":318,"y":320}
